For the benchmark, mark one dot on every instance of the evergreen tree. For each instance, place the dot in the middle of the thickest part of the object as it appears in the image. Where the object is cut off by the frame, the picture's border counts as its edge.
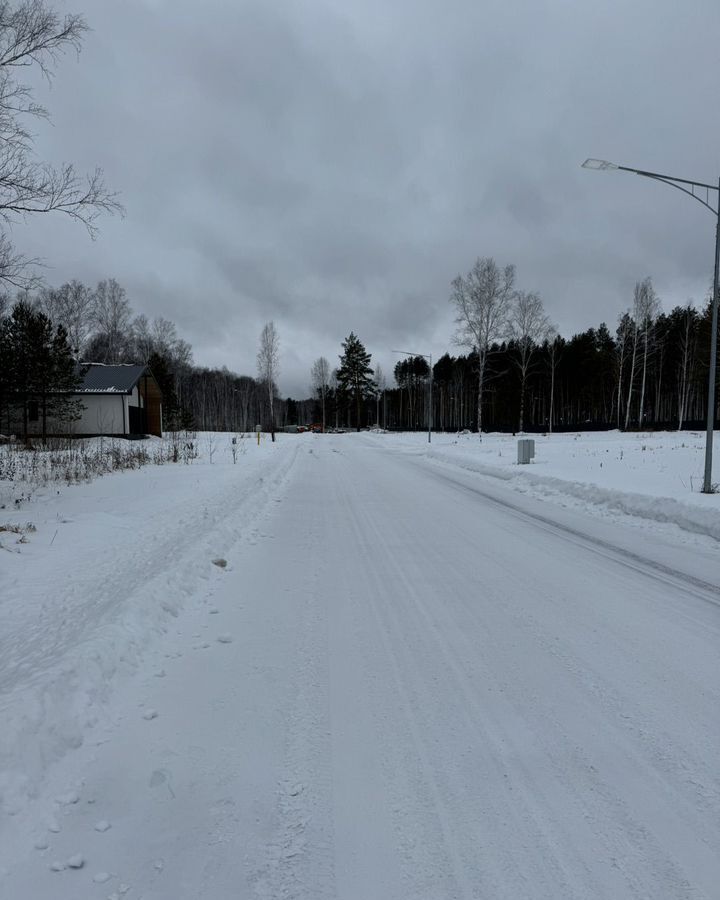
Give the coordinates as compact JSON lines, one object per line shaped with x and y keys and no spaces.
{"x":41,"y":371}
{"x":355,"y":373}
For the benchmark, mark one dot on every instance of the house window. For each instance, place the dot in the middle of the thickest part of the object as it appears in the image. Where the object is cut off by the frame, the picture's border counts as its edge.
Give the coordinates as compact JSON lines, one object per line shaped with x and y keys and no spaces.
{"x":33,"y":411}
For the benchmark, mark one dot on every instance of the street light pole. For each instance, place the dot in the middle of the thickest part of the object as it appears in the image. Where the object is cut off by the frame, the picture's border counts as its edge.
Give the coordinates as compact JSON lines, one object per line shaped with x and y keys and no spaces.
{"x":427,"y":356}
{"x":694,"y":189}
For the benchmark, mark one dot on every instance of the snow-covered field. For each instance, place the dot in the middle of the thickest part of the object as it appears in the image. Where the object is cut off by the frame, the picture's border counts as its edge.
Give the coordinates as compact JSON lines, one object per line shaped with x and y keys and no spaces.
{"x":358,"y":666}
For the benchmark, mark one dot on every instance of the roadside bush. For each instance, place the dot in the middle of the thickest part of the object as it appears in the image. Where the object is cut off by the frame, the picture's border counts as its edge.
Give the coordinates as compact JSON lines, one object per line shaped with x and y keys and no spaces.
{"x":26,"y":468}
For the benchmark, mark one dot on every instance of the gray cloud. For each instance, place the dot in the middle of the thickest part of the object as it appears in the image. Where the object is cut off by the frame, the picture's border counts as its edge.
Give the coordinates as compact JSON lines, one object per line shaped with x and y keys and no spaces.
{"x":332,"y":166}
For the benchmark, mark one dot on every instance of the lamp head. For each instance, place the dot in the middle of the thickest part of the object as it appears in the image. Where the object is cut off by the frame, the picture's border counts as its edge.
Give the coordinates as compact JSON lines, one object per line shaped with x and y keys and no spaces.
{"x":600,"y":165}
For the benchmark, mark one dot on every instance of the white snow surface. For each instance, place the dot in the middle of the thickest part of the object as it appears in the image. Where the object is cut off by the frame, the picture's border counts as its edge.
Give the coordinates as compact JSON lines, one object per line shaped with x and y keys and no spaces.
{"x":425,"y":672}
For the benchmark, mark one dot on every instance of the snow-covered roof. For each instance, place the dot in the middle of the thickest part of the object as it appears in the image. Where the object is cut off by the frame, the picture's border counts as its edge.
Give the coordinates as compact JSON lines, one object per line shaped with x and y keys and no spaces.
{"x":99,"y":378}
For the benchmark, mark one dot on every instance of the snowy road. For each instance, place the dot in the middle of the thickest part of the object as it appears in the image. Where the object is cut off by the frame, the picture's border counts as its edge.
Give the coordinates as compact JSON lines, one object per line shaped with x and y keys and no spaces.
{"x":426,"y":687}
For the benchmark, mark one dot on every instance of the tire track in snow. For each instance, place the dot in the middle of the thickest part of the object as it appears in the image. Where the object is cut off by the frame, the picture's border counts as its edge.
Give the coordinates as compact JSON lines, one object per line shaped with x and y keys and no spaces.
{"x":493,"y":877}
{"x":546,"y":811}
{"x":401,"y":674}
{"x":299,"y":860}
{"x":629,"y":870}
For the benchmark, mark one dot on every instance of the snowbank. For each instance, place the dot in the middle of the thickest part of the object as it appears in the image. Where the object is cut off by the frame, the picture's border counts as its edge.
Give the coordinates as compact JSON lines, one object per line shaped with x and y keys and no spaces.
{"x":654,"y":476}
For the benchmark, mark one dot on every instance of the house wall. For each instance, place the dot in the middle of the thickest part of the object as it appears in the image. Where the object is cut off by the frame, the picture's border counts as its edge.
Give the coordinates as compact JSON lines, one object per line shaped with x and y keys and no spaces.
{"x":103,"y":414}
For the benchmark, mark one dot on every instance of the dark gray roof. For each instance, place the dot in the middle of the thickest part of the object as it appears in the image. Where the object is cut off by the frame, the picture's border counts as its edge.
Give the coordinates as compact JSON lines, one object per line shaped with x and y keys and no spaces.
{"x":104,"y":379}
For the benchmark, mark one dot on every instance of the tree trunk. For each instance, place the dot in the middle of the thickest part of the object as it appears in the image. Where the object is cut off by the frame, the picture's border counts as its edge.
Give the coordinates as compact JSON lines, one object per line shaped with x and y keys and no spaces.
{"x":642,"y":388}
{"x":481,"y":380}
{"x":632,"y":378}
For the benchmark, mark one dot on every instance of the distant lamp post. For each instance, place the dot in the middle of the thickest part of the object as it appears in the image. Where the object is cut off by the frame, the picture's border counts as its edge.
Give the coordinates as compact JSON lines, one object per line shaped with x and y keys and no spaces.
{"x":427,"y":356}
{"x":699,"y":191}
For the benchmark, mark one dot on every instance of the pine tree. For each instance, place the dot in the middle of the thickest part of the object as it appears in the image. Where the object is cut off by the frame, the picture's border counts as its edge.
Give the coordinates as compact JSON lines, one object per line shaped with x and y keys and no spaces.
{"x":41,"y":369}
{"x":355,"y":373}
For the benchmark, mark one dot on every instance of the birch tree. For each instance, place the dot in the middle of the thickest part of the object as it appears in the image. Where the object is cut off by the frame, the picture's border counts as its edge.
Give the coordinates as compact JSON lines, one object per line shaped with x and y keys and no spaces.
{"x":320,"y":375}
{"x":633,"y":338}
{"x":623,"y":336}
{"x":111,"y":316}
{"x":70,"y":305}
{"x":380,"y":385}
{"x":528,"y":328}
{"x":646,"y":309}
{"x":555,"y":343}
{"x":482,"y":302}
{"x":268,"y":366}
{"x":688,"y":347}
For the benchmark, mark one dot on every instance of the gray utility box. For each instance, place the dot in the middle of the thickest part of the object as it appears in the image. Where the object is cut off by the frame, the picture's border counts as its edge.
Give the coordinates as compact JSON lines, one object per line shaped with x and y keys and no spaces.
{"x":526,"y":450}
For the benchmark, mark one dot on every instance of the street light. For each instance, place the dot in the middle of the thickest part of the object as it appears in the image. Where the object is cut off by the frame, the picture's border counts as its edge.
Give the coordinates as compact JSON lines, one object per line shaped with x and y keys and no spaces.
{"x":427,"y":356}
{"x":603,"y":165}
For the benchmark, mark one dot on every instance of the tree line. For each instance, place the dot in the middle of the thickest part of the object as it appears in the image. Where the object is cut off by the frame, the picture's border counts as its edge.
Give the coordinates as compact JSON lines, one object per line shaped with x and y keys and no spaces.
{"x":517,"y":374}
{"x":520,"y":374}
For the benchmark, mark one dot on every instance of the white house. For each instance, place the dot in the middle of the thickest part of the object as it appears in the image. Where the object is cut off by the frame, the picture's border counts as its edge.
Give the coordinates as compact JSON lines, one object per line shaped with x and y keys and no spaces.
{"x":118,"y":400}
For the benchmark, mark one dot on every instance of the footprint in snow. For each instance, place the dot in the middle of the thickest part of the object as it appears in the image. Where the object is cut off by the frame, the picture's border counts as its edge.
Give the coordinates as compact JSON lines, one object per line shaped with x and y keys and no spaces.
{"x":102,"y":826}
{"x":150,"y":714}
{"x":225,"y":638}
{"x":162,"y":777}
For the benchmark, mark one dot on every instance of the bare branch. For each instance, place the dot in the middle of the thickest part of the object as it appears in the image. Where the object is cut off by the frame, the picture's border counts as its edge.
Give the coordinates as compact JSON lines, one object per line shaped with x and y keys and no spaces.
{"x":33,"y":34}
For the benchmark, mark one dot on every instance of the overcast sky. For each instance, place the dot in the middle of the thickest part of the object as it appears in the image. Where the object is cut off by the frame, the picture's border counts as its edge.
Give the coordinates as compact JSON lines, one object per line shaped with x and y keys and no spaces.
{"x":333,"y":164}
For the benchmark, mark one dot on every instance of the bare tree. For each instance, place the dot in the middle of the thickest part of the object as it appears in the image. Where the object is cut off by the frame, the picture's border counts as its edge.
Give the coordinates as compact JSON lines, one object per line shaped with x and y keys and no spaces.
{"x":380,"y":385}
{"x":70,"y":305}
{"x":624,"y":333}
{"x":111,"y":315}
{"x":554,"y":350}
{"x":482,"y":301}
{"x":142,"y":339}
{"x":528,"y":327}
{"x":320,"y":375}
{"x":688,"y":347}
{"x":164,"y":335}
{"x":245,"y":393}
{"x":32,"y":34}
{"x":335,"y":387}
{"x":268,"y":366}
{"x":633,"y":336}
{"x":647,"y":307}
{"x":158,"y":336}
